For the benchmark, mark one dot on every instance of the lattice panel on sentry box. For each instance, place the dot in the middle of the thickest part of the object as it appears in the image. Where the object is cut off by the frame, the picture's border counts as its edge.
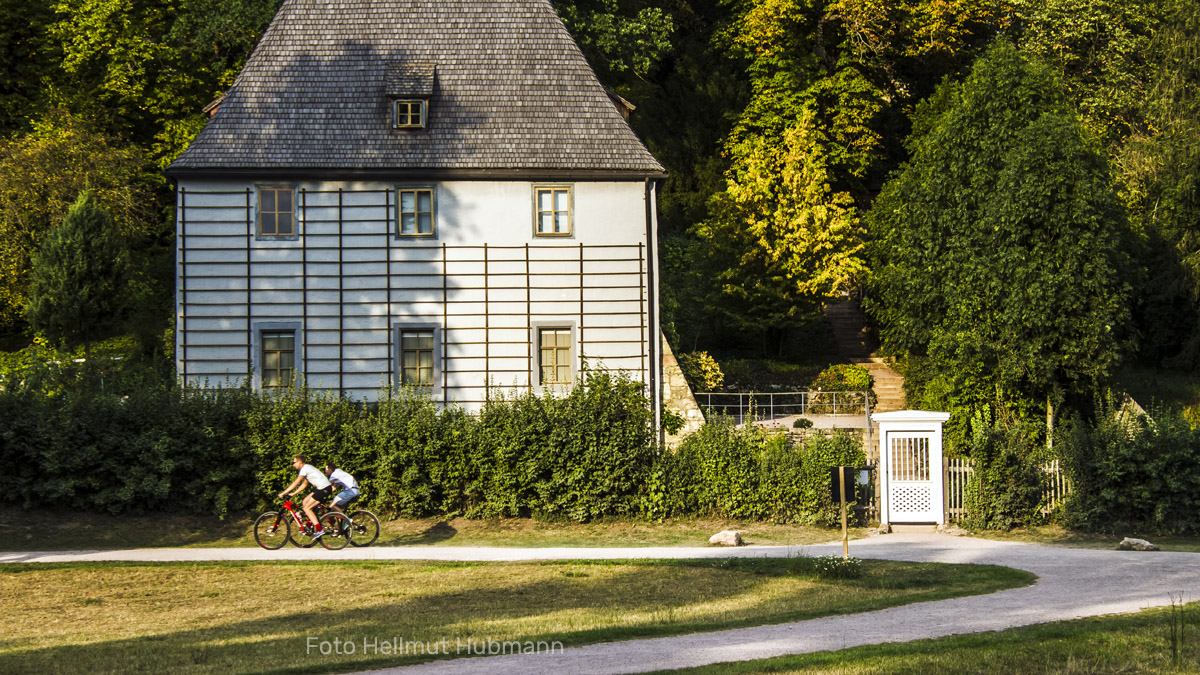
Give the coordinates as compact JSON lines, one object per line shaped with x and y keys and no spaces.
{"x":910,"y":458}
{"x":910,"y":499}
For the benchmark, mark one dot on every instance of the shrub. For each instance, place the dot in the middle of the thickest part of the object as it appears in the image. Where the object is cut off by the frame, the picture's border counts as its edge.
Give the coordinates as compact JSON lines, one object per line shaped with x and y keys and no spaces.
{"x":745,"y":472}
{"x":1132,"y":474}
{"x":1005,"y":491}
{"x":842,"y":377}
{"x":802,"y":423}
{"x":702,"y":371}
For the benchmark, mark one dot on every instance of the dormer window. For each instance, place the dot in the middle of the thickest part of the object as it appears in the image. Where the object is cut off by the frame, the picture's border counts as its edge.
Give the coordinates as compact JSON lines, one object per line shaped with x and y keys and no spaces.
{"x":409,"y":87}
{"x":408,"y":113}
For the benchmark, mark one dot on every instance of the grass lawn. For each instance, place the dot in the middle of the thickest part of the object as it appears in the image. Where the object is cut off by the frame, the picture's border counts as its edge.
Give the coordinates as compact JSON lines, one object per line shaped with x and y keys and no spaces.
{"x":1054,"y":535}
{"x":1136,"y":643}
{"x":257,"y":617}
{"x":55,"y":531}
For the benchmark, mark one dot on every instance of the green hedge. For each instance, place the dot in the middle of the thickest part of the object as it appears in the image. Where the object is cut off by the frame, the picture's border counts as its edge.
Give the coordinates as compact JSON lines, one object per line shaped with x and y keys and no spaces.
{"x":747,"y":473}
{"x":138,"y":445}
{"x":1132,"y":473}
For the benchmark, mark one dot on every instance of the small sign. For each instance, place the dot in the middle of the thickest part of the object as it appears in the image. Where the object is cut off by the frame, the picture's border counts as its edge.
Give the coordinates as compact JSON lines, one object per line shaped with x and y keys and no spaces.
{"x":851,"y":473}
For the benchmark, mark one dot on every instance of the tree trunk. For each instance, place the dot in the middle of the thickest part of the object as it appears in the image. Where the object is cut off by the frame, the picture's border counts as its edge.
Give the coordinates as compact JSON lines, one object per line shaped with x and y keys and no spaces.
{"x":1050,"y":421}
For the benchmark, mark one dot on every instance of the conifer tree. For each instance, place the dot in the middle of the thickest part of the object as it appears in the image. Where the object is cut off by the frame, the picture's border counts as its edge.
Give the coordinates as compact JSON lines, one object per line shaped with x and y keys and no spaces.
{"x":78,"y":276}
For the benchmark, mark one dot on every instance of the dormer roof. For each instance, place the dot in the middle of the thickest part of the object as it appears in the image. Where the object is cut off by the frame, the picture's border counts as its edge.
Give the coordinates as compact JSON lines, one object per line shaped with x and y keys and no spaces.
{"x":509,"y":94}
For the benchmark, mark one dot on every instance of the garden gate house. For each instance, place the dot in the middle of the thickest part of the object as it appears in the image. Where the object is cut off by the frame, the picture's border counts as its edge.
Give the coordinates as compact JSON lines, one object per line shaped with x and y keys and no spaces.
{"x":435,"y":194}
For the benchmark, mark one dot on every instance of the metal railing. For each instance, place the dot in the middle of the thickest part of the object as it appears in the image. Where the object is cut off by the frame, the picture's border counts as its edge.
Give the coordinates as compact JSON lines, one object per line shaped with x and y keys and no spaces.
{"x":851,"y":408}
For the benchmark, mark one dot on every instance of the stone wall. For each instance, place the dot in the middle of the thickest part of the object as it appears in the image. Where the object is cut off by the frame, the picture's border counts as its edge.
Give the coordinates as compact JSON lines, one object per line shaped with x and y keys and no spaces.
{"x":677,"y":397}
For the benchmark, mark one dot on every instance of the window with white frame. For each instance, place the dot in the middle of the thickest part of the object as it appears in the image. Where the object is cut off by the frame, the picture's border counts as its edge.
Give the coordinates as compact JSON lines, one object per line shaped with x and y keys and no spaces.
{"x":552,"y":206}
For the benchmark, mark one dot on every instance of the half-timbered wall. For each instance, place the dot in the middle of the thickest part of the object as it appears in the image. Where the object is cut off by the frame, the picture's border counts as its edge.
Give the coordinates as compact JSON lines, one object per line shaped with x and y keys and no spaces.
{"x":347,"y":282}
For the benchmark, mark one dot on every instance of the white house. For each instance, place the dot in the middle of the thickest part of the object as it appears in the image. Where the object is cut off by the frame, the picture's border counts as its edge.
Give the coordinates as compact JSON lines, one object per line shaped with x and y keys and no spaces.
{"x":397,"y":192}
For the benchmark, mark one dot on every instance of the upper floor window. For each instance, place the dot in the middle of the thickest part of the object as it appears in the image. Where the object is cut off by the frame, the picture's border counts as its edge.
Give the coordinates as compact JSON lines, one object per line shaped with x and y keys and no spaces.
{"x":408,"y":113}
{"x":276,"y":212}
{"x":553,"y":210}
{"x":416,"y":211}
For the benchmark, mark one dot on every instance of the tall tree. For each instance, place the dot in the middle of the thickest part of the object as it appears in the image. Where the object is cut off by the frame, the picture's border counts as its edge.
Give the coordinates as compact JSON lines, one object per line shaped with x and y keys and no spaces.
{"x":79,"y":276}
{"x":999,"y":253}
{"x":782,"y":240}
{"x":1160,"y":167}
{"x":41,"y":175}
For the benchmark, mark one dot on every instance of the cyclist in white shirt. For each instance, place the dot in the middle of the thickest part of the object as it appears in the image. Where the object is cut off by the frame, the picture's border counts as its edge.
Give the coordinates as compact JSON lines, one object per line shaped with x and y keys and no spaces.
{"x":345,"y":483}
{"x":309,"y":475}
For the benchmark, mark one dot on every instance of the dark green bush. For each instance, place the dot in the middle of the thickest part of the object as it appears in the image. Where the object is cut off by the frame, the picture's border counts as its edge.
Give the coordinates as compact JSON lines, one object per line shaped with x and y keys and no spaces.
{"x":746,"y":473}
{"x":1132,"y":473}
{"x":1005,"y":490}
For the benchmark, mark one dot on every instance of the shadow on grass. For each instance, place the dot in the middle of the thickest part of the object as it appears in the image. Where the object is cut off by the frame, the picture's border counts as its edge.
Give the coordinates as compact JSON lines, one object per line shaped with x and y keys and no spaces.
{"x":434,"y":534}
{"x":646,"y":600}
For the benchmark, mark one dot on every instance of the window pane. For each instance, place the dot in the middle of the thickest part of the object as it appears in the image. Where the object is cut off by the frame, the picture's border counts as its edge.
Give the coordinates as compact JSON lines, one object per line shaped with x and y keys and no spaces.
{"x":268,"y":223}
{"x":548,"y":338}
{"x":408,"y":224}
{"x":287,"y":341}
{"x":560,"y":200}
{"x":564,"y":374}
{"x":286,"y":360}
{"x":285,"y":200}
{"x":425,"y":340}
{"x":425,"y":376}
{"x":425,"y":224}
{"x":267,"y":197}
{"x":545,"y":200}
{"x":408,"y":201}
{"x":408,"y":340}
{"x":547,"y":374}
{"x":271,"y":361}
{"x":410,"y":376}
{"x":426,"y":359}
{"x":546,"y":222}
{"x":425,"y":201}
{"x":409,"y":360}
{"x":561,"y":223}
{"x":564,"y":338}
{"x":284,"y":224}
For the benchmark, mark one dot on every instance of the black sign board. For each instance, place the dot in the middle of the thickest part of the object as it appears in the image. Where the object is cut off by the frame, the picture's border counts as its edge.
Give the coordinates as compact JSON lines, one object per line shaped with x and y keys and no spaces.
{"x":850,"y":475}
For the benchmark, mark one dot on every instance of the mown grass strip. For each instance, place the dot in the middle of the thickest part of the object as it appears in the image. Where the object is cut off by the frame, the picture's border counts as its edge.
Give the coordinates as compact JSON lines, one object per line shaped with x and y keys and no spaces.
{"x":256,"y":617}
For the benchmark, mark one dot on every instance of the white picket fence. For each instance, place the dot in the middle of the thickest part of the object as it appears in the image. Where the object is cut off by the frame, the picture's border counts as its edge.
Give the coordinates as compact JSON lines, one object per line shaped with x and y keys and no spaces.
{"x":958,"y":472}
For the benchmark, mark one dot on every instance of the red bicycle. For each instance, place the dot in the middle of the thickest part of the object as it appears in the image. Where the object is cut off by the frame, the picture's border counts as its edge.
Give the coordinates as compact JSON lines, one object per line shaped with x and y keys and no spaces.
{"x":273,"y":529}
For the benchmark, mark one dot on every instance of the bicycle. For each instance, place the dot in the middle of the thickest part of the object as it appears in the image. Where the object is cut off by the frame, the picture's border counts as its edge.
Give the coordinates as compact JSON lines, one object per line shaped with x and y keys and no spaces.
{"x":273,"y":529}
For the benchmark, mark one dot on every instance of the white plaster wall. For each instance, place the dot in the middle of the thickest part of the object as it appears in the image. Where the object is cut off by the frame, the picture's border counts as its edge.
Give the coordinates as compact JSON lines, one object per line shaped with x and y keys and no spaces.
{"x":347,"y":291}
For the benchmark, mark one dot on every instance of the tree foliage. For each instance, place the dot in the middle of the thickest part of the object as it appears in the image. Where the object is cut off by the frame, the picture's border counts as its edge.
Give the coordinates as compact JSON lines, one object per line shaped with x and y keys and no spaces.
{"x":782,"y":240}
{"x":42,"y":173}
{"x":998,"y":252}
{"x":79,"y":276}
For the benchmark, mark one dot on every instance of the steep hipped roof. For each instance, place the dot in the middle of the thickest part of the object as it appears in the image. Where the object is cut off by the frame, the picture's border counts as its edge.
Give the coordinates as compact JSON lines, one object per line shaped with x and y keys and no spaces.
{"x":511,"y":93}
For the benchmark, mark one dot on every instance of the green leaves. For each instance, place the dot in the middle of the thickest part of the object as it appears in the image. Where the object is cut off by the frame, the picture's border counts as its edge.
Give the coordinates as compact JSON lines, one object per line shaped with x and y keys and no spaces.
{"x":999,"y":247}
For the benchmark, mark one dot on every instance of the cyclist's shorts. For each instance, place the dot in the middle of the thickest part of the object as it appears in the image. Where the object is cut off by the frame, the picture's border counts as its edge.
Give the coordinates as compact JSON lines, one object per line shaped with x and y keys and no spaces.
{"x":322,"y":494}
{"x":346,"y":497}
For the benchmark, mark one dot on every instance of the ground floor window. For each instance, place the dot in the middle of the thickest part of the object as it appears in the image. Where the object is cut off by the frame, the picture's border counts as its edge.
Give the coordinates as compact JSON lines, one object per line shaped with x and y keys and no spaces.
{"x":416,"y":357}
{"x":555,"y":350}
{"x":278,"y":358}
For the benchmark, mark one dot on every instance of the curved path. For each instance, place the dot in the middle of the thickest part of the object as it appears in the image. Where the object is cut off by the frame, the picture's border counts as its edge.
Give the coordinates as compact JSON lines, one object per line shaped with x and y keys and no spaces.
{"x":1072,"y":583}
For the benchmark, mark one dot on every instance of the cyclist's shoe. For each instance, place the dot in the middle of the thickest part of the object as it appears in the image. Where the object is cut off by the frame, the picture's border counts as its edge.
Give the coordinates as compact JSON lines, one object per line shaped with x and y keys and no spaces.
{"x":318,"y":534}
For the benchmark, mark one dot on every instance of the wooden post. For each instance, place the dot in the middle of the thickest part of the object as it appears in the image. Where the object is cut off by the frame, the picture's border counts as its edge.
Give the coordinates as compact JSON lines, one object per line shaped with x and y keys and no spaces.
{"x":845,"y":530}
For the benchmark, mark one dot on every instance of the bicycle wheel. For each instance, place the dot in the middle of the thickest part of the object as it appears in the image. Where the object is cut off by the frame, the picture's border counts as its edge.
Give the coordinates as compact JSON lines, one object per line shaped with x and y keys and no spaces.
{"x":365,"y":528}
{"x":303,"y":537}
{"x":272,"y":530}
{"x":337,"y":531}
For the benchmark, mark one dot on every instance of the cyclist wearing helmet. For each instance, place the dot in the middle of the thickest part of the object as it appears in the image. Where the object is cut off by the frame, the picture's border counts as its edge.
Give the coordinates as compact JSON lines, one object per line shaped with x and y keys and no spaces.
{"x":309,"y":475}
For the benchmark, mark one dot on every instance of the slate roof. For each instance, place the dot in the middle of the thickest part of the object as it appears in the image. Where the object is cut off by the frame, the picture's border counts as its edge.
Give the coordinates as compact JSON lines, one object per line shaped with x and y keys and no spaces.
{"x":509,"y":92}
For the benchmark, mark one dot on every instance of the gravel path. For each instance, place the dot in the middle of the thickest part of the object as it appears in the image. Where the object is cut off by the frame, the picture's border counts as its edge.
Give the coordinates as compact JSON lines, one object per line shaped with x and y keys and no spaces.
{"x":1072,"y":583}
